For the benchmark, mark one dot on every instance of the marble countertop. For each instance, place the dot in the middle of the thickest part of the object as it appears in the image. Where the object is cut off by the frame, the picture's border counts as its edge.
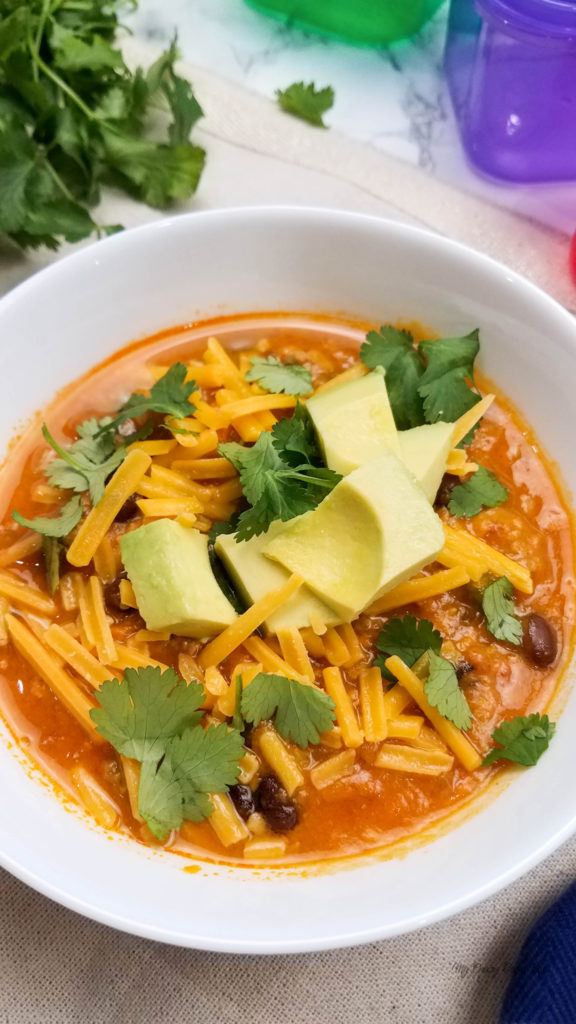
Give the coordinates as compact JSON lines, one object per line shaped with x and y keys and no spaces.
{"x":393,"y":99}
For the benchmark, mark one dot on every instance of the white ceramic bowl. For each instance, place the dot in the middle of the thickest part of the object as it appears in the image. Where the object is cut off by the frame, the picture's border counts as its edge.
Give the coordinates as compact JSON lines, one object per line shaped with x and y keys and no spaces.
{"x":61,"y":322}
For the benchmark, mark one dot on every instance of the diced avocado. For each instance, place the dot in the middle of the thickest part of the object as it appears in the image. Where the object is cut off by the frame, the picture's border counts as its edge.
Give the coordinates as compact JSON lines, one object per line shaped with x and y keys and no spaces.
{"x":425,"y":451}
{"x":175,"y":588}
{"x":373,"y":531}
{"x":254,"y":576}
{"x":354,"y":422}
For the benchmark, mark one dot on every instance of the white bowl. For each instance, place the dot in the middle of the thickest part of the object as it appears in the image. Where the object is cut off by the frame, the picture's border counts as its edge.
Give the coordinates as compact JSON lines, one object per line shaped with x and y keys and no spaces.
{"x":69,"y":317}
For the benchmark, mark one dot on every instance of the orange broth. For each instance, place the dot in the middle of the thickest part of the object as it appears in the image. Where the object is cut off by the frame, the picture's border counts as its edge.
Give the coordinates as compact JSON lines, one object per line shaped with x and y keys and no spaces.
{"x":370,"y":808}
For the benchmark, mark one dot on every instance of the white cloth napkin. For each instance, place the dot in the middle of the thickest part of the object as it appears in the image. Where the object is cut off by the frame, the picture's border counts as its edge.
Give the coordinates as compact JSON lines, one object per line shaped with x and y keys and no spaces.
{"x":58,"y":968}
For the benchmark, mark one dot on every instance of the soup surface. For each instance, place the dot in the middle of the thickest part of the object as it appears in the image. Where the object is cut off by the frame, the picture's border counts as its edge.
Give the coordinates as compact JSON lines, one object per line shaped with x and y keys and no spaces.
{"x":382,"y":768}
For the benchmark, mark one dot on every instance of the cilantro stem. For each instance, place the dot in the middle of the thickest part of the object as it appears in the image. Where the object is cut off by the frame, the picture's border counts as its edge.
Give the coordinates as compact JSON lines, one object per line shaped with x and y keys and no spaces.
{"x":58,"y":181}
{"x":40,"y":32}
{"x":60,"y":82}
{"x":59,"y":450}
{"x":319,"y":481}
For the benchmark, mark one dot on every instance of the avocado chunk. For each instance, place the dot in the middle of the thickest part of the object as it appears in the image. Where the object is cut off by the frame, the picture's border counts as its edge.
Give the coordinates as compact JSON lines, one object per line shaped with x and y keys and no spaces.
{"x":424,"y":450}
{"x":254,"y":576}
{"x":175,"y":588}
{"x":372,"y":532}
{"x":354,"y":422}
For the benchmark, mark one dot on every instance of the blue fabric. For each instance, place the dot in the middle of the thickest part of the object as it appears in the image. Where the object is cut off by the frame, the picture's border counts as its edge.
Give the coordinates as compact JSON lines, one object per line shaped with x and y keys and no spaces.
{"x":542,"y":989}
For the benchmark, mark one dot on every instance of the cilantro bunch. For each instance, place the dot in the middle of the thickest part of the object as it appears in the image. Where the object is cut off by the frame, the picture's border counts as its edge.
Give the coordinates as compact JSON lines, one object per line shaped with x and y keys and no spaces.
{"x":74,"y":117}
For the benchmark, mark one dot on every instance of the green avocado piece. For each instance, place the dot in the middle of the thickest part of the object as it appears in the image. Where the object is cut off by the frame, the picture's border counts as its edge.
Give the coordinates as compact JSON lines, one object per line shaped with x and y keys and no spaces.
{"x":175,"y":588}
{"x":424,"y":450}
{"x":354,"y":422}
{"x":375,"y":530}
{"x":254,"y":576}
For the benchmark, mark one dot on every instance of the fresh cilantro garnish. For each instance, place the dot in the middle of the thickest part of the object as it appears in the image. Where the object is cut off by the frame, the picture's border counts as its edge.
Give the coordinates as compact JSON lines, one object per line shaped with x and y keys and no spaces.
{"x":294,"y":438}
{"x":274,"y":489}
{"x":144,"y":709}
{"x":409,"y":638}
{"x":523,"y":740}
{"x":443,"y":692}
{"x":153,"y":716}
{"x":88,"y":462}
{"x":222,"y":526}
{"x":306,"y":102}
{"x":498,"y":608}
{"x":51,"y":550}
{"x":431,"y":382}
{"x":275,"y":376}
{"x":446,"y":385}
{"x":54,"y":526}
{"x":74,"y":116}
{"x":170,"y":395}
{"x":393,"y":350}
{"x":199,"y":762}
{"x":300,"y":712}
{"x":481,"y":490}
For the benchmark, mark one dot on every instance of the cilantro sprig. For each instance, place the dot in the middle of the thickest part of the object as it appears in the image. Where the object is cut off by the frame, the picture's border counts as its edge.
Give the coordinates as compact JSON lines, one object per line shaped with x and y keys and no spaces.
{"x":481,"y":490}
{"x":299,"y":712}
{"x":88,"y":462}
{"x":426,"y":383}
{"x":170,"y":395}
{"x":154,"y":717}
{"x":54,"y":526}
{"x":498,"y":607}
{"x":74,"y":117}
{"x":408,"y":638}
{"x":275,"y":376}
{"x":306,"y":102}
{"x":277,"y":479}
{"x":522,"y":740}
{"x":443,"y":692}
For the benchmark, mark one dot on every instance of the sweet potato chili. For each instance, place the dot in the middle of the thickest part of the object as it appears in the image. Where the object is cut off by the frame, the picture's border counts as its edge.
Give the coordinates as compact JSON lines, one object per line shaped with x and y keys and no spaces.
{"x":271,"y":590}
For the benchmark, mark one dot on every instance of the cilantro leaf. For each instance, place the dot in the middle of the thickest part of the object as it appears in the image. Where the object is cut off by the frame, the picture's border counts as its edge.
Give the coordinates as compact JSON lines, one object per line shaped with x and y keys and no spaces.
{"x":54,"y":526}
{"x":301,"y":713}
{"x":306,"y":102}
{"x":141,"y":712}
{"x":170,"y":395}
{"x":88,"y":462}
{"x":294,"y":438}
{"x":522,"y":740}
{"x":443,"y":692}
{"x":199,"y":762}
{"x":481,"y":490}
{"x":407,"y":637}
{"x":446,"y":385}
{"x":155,"y":173}
{"x":51,"y":550}
{"x":275,"y":376}
{"x":393,"y":350}
{"x":274,"y":489}
{"x":498,"y":608}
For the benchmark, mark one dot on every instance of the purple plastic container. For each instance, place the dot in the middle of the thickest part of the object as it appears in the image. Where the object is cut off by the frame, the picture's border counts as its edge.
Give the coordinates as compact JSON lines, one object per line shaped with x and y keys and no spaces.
{"x":511,"y":68}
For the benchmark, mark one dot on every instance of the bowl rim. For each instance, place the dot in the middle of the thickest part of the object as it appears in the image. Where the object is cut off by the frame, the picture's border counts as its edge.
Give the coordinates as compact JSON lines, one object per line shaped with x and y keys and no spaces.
{"x":90,"y":255}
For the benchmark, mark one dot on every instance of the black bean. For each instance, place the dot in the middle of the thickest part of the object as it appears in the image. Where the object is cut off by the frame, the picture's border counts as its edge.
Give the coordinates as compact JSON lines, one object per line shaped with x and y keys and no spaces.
{"x":243,"y":800}
{"x":112,"y":593}
{"x":462,"y":668}
{"x":445,"y":490}
{"x":540,"y":640}
{"x":129,"y":509}
{"x":278,"y":810}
